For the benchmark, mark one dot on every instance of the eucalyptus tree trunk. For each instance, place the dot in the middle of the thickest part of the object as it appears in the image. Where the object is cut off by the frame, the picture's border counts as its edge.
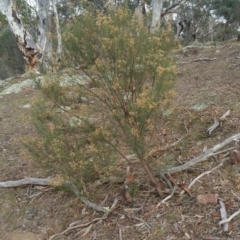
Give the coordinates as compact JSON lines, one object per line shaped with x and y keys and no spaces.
{"x":156,"y":16}
{"x":44,"y":38}
{"x":32,"y":50}
{"x":59,"y":36}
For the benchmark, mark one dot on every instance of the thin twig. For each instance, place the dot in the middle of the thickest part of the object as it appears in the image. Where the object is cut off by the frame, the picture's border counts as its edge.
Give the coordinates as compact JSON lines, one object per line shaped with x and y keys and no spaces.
{"x":168,"y":197}
{"x":203,"y":157}
{"x":223,"y":213}
{"x":77,"y":226}
{"x":203,"y":174}
{"x":120,"y":234}
{"x":54,"y":182}
{"x":235,"y":195}
{"x":72,"y":225}
{"x":225,"y":150}
{"x":32,"y":197}
{"x":139,"y":219}
{"x":105,"y":199}
{"x":227,"y":220}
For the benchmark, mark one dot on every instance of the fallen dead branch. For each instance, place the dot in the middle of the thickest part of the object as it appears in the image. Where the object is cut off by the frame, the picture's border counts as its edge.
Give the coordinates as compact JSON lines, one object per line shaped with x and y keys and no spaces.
{"x":139,"y":219}
{"x":53,"y":182}
{"x":204,"y":59}
{"x":227,"y":220}
{"x":223,"y":213}
{"x":203,"y":174}
{"x":217,"y":123}
{"x":203,"y":157}
{"x":168,"y":197}
{"x":198,"y":60}
{"x":74,"y":226}
{"x":120,"y":234}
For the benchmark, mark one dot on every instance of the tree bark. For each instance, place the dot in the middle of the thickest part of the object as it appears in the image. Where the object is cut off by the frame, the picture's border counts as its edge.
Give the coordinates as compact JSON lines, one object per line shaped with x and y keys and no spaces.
{"x":32,"y":50}
{"x":59,"y":37}
{"x":152,"y":177}
{"x":156,"y":16}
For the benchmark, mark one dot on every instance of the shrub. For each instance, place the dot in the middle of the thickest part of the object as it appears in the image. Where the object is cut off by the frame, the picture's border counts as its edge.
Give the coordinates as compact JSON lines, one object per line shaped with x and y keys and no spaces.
{"x":129,"y":73}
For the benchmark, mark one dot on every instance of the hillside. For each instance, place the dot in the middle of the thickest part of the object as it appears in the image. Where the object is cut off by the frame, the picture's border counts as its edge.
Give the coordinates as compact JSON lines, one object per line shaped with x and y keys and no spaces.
{"x":207,"y":86}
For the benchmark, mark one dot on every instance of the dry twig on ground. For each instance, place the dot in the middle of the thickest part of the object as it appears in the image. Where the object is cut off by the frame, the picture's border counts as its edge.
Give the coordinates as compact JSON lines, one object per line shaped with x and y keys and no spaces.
{"x":168,"y":197}
{"x":54,"y":183}
{"x":203,"y":157}
{"x":227,"y":220}
{"x":204,"y":59}
{"x":203,"y":174}
{"x":223,"y":213}
{"x":74,"y":226}
{"x":217,"y":123}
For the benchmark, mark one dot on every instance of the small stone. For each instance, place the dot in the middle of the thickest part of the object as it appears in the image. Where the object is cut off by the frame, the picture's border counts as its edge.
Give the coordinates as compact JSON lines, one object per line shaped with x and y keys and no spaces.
{"x":27,"y":105}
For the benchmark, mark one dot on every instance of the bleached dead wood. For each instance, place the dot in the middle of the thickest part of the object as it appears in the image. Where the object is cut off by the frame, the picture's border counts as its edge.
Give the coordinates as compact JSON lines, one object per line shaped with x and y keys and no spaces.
{"x":217,"y":123}
{"x":201,"y":175}
{"x":223,"y":213}
{"x":168,"y":197}
{"x":198,"y":60}
{"x":54,"y":183}
{"x":204,"y":59}
{"x":203,"y":157}
{"x":59,"y":36}
{"x":227,"y":220}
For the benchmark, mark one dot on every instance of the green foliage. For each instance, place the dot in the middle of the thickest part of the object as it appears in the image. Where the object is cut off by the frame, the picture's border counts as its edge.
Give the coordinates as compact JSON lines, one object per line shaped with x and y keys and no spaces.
{"x":129,"y":73}
{"x":27,"y":13}
{"x":9,"y":55}
{"x":227,"y":9}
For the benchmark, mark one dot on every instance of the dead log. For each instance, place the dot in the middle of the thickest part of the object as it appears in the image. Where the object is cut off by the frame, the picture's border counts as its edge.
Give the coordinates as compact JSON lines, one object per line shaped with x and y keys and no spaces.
{"x":203,"y":157}
{"x":53,"y":182}
{"x":198,"y":60}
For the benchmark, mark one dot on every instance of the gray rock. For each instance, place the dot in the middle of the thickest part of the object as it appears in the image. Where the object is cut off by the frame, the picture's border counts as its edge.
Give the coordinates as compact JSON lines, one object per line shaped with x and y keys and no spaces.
{"x":74,"y":122}
{"x":67,"y":80}
{"x":18,"y":87}
{"x":199,"y":106}
{"x":27,"y":105}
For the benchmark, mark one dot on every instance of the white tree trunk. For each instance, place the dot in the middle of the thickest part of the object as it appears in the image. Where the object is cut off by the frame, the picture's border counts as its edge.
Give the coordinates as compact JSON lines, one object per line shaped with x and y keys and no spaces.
{"x":44,"y":38}
{"x":32,"y":50}
{"x":156,"y":16}
{"x":59,"y":37}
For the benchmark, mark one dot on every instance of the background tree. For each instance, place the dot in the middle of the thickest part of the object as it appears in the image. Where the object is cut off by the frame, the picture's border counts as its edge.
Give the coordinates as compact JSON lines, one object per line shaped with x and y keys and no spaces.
{"x":227,"y":12}
{"x":33,"y":38}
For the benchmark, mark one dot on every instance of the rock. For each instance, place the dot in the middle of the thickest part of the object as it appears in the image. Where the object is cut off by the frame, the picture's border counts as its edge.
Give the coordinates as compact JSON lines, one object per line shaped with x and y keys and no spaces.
{"x":2,"y":83}
{"x":199,"y":106}
{"x":17,"y":87}
{"x":27,"y":105}
{"x":74,"y":122}
{"x":63,"y":109}
{"x":83,"y":99}
{"x":67,"y":80}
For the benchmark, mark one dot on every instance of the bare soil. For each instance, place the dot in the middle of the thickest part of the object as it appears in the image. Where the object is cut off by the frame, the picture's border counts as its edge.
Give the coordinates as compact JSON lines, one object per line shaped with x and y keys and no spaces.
{"x":205,"y":89}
